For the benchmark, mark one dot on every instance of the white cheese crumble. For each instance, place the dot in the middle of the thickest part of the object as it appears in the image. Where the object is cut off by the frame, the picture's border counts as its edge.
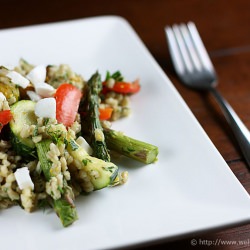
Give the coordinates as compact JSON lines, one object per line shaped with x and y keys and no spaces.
{"x":82,"y":142}
{"x":18,"y":79}
{"x":23,"y":178}
{"x":37,"y":74}
{"x":44,"y":89}
{"x":46,"y":108}
{"x":33,"y":96}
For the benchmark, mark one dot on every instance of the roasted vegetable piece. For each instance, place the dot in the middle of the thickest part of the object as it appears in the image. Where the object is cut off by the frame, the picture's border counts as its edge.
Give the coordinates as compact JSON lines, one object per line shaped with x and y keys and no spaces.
{"x":105,"y":113}
{"x":116,"y":83}
{"x":97,"y":138}
{"x":23,"y":114}
{"x":9,"y":89}
{"x":105,"y":172}
{"x":124,"y":87}
{"x":67,"y":102}
{"x":5,"y":118}
{"x":130,"y":147}
{"x":64,"y":206}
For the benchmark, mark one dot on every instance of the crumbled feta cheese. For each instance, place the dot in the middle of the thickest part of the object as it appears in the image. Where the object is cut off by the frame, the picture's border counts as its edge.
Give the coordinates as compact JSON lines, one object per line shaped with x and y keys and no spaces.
{"x":37,"y":74}
{"x":18,"y":79}
{"x":44,"y":89}
{"x":37,"y":77}
{"x":82,"y":142}
{"x":46,"y":108}
{"x":23,"y":178}
{"x":33,"y":96}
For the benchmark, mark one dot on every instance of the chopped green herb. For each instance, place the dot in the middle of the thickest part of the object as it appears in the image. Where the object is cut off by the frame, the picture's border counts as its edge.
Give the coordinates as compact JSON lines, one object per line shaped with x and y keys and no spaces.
{"x":129,"y":150}
{"x":35,"y":132}
{"x":85,"y":161}
{"x":73,"y":145}
{"x":117,"y":76}
{"x":45,"y":121}
{"x":56,"y":135}
{"x":110,"y":169}
{"x":65,"y":142}
{"x":60,"y":189}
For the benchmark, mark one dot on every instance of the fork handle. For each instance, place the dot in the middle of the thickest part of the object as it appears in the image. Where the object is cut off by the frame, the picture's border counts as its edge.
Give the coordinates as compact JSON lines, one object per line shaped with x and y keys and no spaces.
{"x":240,"y":131}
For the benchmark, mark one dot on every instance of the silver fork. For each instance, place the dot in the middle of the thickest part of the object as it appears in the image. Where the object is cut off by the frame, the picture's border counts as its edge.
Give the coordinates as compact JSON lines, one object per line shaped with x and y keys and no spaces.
{"x":194,"y":68}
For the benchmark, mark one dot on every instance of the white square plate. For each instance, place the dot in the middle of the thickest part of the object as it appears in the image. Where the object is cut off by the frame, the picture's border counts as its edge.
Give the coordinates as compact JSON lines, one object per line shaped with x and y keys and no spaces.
{"x":189,"y":189}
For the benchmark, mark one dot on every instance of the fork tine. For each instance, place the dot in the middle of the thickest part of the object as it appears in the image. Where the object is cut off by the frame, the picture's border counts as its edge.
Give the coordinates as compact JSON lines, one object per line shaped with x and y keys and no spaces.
{"x":190,"y":47}
{"x":199,"y":46}
{"x":174,"y":51}
{"x":178,"y":50}
{"x":183,"y":49}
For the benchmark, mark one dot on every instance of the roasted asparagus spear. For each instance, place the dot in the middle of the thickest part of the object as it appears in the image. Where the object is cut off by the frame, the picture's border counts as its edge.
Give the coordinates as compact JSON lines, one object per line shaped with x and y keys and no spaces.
{"x":97,"y":139}
{"x":130,"y":147}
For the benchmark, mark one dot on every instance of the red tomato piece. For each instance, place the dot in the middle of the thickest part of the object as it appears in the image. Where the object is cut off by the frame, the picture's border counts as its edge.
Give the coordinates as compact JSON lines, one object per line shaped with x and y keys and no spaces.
{"x":105,"y":114}
{"x":124,"y":87}
{"x":68,"y":98}
{"x":5,"y":118}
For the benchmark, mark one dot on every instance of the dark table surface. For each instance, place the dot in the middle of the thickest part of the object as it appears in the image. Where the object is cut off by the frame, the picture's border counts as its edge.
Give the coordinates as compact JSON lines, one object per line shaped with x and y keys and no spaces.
{"x":224,"y":27}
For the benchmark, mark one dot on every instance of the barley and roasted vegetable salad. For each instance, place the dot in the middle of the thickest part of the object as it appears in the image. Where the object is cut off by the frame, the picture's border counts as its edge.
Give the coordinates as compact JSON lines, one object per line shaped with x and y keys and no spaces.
{"x":56,"y":140}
